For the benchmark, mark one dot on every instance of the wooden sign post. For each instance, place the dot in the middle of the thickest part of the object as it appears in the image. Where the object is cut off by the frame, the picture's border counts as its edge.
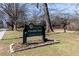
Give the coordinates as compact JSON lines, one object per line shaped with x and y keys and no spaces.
{"x":33,"y":30}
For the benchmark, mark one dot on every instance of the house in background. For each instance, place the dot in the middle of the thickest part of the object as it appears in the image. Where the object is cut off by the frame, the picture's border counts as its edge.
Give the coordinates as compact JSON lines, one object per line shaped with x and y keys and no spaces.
{"x":3,"y":24}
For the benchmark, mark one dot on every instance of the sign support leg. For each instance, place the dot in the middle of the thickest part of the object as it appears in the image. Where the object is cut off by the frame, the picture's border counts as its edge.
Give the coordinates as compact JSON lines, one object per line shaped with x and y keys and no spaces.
{"x":24,"y":38}
{"x":43,"y":35}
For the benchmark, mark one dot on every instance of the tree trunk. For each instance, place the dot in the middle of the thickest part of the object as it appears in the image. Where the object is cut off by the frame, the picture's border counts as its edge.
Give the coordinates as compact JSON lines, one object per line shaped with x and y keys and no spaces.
{"x":65,"y":27}
{"x":48,"y":22}
{"x":14,"y":26}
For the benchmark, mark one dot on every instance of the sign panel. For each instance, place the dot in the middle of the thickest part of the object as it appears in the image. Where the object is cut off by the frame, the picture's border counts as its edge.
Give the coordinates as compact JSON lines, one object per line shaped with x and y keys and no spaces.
{"x":35,"y":31}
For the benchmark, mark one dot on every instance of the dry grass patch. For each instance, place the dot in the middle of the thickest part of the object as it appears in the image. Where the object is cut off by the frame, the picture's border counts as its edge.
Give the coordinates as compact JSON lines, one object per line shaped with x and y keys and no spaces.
{"x":68,"y":43}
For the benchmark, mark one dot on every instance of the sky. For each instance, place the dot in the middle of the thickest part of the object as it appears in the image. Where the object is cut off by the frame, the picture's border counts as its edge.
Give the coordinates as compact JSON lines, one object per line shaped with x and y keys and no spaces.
{"x":67,"y":8}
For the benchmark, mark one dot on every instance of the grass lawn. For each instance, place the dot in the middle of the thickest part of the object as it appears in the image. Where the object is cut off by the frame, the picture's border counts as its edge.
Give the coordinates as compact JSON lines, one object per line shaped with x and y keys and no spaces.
{"x":69,"y":44}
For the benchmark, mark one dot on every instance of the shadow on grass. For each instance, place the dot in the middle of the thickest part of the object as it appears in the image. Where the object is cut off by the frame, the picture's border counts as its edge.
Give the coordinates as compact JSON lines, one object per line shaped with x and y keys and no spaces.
{"x":12,"y":38}
{"x":16,"y":30}
{"x":36,"y":45}
{"x":54,"y":33}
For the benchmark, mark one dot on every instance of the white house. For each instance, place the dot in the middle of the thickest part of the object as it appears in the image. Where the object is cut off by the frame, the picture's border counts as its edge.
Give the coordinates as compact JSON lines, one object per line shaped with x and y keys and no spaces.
{"x":3,"y":24}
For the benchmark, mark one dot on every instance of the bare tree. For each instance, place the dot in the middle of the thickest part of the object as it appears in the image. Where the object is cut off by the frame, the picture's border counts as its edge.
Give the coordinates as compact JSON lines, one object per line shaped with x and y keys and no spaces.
{"x":47,"y":17}
{"x":14,"y":11}
{"x":65,"y":22}
{"x":48,"y":21}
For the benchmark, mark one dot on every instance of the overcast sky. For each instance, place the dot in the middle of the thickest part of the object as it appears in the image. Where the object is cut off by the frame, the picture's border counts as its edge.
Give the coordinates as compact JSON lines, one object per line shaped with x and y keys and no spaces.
{"x":64,"y":7}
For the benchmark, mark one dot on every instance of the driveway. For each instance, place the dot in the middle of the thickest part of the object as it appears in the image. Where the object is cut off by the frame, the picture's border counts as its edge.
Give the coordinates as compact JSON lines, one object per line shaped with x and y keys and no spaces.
{"x":2,"y":31}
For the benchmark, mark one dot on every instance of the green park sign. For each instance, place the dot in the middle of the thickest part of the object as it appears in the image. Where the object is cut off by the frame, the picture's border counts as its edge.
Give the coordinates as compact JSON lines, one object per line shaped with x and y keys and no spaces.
{"x":33,"y":30}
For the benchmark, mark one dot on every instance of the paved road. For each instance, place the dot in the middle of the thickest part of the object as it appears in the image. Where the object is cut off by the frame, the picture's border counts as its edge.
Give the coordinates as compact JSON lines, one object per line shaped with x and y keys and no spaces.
{"x":2,"y":31}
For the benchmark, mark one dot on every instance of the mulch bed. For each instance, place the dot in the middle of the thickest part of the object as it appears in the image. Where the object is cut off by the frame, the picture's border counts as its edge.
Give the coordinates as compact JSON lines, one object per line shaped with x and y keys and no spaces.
{"x":20,"y":47}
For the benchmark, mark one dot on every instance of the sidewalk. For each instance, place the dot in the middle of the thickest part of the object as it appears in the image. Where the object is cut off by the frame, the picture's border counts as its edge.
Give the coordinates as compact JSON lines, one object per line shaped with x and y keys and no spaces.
{"x":2,"y":31}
